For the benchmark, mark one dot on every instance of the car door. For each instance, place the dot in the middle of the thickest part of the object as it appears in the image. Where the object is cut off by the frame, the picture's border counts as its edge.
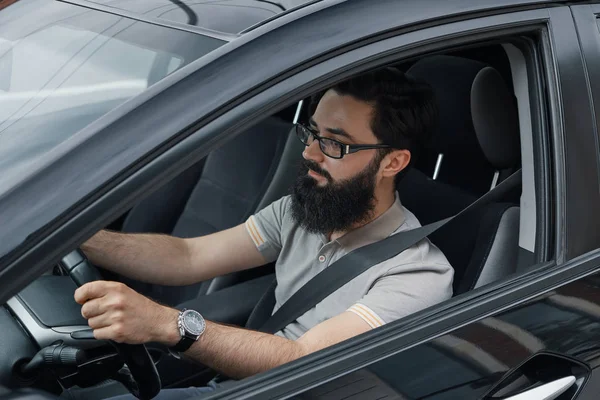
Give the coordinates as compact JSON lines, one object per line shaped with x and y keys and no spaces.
{"x":462,"y":348}
{"x":534,"y":331}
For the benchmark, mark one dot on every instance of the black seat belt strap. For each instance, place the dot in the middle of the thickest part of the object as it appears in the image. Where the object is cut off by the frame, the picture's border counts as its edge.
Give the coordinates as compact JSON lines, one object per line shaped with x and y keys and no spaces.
{"x":358,"y":261}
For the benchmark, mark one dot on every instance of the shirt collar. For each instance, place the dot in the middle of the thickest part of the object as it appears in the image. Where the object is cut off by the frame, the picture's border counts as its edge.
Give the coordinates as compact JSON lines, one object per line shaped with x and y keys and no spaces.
{"x":376,"y":230}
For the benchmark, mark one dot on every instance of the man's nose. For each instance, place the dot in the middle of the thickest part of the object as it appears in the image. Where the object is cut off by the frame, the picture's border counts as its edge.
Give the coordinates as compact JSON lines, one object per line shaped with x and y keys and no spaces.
{"x":313,"y":152}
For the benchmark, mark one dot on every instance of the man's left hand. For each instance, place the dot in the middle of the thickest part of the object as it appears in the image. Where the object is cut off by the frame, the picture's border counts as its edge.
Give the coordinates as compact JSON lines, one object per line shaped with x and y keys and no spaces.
{"x":117,"y":312}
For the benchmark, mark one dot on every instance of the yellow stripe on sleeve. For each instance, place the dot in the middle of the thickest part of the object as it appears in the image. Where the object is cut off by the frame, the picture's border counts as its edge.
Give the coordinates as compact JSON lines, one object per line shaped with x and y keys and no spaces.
{"x":251,"y":219}
{"x":372,"y":313}
{"x":250,"y":230}
{"x":366,"y":317}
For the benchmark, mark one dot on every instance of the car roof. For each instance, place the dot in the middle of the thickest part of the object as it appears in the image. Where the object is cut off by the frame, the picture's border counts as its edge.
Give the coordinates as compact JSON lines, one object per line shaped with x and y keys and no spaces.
{"x":224,"y":16}
{"x":228,"y":19}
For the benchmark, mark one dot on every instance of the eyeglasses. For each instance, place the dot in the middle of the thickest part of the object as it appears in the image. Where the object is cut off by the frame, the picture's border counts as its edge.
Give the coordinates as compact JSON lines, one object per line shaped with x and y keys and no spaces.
{"x":331,"y":147}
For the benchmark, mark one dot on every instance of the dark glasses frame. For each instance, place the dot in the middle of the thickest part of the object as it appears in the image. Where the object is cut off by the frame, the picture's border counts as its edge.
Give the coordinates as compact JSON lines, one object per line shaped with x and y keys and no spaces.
{"x":303,"y":131}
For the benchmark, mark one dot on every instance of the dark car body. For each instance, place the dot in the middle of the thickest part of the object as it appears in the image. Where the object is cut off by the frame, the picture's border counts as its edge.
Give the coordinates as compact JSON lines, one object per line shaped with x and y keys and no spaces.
{"x":533,"y":327}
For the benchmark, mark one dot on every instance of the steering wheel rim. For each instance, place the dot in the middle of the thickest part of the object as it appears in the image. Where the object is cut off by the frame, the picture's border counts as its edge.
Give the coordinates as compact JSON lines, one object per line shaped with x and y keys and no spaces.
{"x":145,"y":383}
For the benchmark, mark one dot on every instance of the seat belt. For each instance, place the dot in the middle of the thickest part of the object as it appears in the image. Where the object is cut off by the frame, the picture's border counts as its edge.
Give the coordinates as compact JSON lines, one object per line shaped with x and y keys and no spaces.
{"x":359,"y":260}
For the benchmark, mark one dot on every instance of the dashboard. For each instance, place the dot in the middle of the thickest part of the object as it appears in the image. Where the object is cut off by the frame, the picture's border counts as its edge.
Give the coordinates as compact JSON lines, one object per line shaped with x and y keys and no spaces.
{"x":45,"y":342}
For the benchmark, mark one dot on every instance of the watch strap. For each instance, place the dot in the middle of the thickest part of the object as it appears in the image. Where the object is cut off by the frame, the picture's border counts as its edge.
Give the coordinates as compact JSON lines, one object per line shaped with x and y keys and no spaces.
{"x":184,"y":343}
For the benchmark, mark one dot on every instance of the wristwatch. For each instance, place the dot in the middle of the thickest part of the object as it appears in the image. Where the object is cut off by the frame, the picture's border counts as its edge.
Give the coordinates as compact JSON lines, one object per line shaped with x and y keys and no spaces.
{"x":191,"y":326}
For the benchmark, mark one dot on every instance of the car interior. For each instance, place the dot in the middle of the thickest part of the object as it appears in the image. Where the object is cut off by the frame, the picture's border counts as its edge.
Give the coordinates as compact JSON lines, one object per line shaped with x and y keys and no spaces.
{"x":482,"y":138}
{"x":477,"y":145}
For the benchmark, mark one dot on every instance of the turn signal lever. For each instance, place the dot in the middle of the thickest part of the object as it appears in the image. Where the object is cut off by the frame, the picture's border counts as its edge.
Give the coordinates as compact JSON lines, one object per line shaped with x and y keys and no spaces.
{"x":58,"y":355}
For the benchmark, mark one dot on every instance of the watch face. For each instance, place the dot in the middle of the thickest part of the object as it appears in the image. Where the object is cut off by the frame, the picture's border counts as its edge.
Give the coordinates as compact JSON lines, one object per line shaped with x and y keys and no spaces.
{"x":193,"y":322}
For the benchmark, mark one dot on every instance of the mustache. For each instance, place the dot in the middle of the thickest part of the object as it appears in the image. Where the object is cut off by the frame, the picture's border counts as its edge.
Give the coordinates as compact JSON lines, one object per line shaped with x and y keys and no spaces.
{"x":316,"y":168}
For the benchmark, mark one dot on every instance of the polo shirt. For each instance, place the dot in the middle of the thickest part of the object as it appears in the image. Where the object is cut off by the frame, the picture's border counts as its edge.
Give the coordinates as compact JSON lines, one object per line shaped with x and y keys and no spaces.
{"x":417,"y":278}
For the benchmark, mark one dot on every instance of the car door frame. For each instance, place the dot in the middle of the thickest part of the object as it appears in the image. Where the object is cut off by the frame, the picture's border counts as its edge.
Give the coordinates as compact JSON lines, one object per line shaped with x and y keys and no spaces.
{"x":423,"y":325}
{"x":587,"y":19}
{"x":567,"y":109}
{"x":580,"y":147}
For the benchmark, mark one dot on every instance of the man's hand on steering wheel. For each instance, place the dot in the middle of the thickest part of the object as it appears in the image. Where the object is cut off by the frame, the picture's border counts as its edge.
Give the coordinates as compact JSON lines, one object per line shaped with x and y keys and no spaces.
{"x":142,"y":380}
{"x":116,"y":312}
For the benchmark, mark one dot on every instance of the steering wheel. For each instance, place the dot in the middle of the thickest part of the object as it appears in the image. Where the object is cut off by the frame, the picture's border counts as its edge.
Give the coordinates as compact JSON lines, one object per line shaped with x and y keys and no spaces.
{"x":144,"y":382}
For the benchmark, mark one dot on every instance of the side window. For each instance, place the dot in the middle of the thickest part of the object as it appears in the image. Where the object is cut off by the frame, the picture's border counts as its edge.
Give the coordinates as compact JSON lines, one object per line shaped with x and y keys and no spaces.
{"x":487,"y":132}
{"x":484,"y":136}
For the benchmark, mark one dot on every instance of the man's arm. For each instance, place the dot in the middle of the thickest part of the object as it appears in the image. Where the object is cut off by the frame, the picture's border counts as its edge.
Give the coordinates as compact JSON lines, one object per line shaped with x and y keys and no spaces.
{"x":116,"y":312}
{"x":239,"y":353}
{"x":169,"y":260}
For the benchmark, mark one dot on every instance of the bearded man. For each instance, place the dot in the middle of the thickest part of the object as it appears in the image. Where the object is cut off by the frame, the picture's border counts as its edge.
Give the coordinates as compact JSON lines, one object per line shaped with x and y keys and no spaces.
{"x":359,"y":141}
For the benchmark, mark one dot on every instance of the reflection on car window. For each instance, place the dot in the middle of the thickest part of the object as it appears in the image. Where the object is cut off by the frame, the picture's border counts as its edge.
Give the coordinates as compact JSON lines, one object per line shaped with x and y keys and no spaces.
{"x":62,"y":67}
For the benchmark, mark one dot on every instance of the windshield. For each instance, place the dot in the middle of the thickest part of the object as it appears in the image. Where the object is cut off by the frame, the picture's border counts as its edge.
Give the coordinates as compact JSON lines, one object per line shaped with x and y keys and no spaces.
{"x":63,"y":66}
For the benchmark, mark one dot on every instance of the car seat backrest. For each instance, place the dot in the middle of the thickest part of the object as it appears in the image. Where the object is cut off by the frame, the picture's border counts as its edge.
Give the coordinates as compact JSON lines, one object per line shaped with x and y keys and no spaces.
{"x":478,"y":135}
{"x":231,"y":185}
{"x":481,"y":246}
{"x":234,"y":180}
{"x":478,"y":132}
{"x":286,"y":169}
{"x":158,"y":213}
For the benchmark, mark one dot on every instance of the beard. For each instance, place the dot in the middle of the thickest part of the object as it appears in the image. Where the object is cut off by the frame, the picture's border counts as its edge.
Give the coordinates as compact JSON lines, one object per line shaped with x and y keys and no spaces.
{"x":337,"y":206}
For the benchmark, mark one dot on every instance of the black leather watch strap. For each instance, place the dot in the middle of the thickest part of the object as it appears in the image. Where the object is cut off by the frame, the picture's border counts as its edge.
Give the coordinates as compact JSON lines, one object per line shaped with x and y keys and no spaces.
{"x":184,"y":343}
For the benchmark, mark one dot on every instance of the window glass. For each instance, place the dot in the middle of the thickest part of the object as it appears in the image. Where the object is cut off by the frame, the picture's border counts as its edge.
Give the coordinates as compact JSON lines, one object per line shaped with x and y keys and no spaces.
{"x":63,"y":66}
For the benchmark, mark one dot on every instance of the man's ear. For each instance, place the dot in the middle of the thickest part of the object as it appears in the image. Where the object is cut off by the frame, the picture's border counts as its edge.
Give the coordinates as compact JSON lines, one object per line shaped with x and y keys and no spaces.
{"x":395,"y":162}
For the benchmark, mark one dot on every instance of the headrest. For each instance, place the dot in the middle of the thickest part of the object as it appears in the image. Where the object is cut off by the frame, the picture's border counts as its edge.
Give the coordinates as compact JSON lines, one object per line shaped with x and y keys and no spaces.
{"x":478,"y":114}
{"x":496,"y":119}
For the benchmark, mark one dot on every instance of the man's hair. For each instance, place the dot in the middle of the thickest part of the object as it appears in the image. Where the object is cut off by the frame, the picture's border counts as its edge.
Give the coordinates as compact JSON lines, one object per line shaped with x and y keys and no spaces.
{"x":405,"y":110}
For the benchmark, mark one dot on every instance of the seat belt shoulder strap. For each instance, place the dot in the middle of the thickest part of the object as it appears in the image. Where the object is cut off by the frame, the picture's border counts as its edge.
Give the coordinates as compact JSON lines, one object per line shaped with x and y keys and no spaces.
{"x":358,"y":261}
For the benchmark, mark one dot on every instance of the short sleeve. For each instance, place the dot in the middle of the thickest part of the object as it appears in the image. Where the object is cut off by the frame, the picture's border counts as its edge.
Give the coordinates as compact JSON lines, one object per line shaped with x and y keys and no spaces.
{"x":395,"y":296}
{"x":265,"y":228}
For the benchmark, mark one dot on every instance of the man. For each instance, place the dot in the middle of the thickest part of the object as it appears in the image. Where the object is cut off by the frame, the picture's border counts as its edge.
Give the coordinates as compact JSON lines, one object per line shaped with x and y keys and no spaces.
{"x":359,"y":141}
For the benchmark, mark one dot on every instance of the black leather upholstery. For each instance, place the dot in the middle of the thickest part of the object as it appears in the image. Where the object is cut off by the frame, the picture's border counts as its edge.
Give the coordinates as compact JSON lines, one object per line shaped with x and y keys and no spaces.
{"x":220,"y":194}
{"x":478,"y":132}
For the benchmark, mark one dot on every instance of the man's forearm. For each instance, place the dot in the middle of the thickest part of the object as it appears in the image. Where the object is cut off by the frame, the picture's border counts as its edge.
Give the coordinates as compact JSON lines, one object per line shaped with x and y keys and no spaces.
{"x":238,"y":352}
{"x":148,"y":258}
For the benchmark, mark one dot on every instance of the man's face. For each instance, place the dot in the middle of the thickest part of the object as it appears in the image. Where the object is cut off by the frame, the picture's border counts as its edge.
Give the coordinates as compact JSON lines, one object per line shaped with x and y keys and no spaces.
{"x":333,"y":195}
{"x":345,"y":119}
